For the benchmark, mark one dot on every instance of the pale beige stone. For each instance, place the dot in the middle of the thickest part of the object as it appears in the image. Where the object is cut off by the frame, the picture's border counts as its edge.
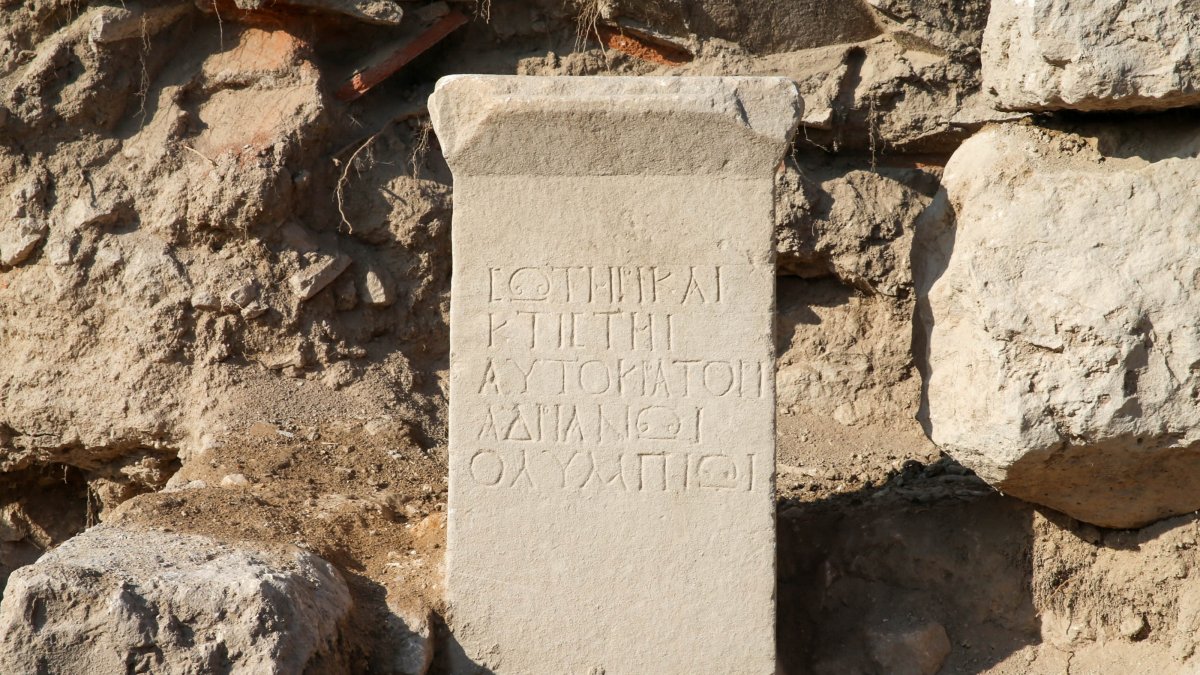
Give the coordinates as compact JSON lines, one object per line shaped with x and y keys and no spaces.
{"x":113,"y":24}
{"x":1092,"y":54}
{"x":909,"y":650}
{"x":1057,"y":314}
{"x":377,"y":289}
{"x":320,"y":272}
{"x":382,"y":12}
{"x":116,"y":600}
{"x":19,"y":238}
{"x":612,"y":393}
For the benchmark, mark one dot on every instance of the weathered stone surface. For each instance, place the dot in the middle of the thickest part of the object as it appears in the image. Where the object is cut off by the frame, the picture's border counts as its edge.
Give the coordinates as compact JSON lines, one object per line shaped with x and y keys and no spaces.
{"x":857,"y":225}
{"x":377,"y":289}
{"x":113,"y":24}
{"x":1092,"y":54}
{"x":910,"y":650}
{"x":949,"y":25}
{"x":319,"y":273}
{"x":19,"y":238}
{"x":112,"y":600}
{"x":612,"y":402}
{"x":384,"y":12}
{"x":883,"y":95}
{"x":1059,"y":304}
{"x":763,"y":26}
{"x":410,"y":640}
{"x":844,"y":351}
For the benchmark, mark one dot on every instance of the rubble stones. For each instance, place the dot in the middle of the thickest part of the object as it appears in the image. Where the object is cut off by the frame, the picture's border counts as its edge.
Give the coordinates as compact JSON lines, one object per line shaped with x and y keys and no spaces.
{"x":383,"y":12}
{"x":377,"y":289}
{"x":18,"y":239}
{"x":113,"y":24}
{"x":880,"y":95}
{"x":320,"y":272}
{"x":243,"y":294}
{"x":205,"y":300}
{"x":913,"y":650}
{"x":762,"y":26}
{"x":296,"y":237}
{"x":857,"y":226}
{"x":115,"y":600}
{"x":955,"y":26}
{"x":87,"y":213}
{"x":253,"y":310}
{"x":234,"y":480}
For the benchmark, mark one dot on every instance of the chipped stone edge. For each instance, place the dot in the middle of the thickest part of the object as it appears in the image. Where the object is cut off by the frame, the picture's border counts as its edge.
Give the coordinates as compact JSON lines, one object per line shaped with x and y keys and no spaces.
{"x":770,"y":107}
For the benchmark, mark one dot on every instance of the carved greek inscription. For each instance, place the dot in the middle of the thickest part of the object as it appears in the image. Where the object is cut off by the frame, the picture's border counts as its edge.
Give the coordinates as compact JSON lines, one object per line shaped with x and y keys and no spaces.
{"x":607,"y":284}
{"x":589,"y":423}
{"x":609,"y":330}
{"x":586,"y":384}
{"x":604,"y":470}
{"x":663,"y":378}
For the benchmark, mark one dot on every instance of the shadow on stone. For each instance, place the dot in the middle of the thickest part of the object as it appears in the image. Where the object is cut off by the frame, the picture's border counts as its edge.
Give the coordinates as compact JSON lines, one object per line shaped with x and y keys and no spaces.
{"x":933,"y":244}
{"x":449,"y":656}
{"x":877,"y":582}
{"x":1151,"y":137}
{"x":930,"y":572}
{"x":795,"y":298}
{"x":1120,"y":498}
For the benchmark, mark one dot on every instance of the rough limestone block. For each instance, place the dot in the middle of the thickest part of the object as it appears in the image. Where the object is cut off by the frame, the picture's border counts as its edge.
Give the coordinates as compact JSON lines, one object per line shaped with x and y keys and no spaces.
{"x":377,"y":289}
{"x":382,"y":12}
{"x":612,"y":395}
{"x":19,"y":238}
{"x":112,"y":600}
{"x":319,"y":273}
{"x":1060,"y":304}
{"x":113,"y":24}
{"x":1092,"y":54}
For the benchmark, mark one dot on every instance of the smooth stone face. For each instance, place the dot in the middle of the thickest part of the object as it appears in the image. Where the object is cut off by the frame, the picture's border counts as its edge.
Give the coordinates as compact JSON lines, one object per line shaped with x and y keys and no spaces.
{"x":1059,"y":302}
{"x":1092,"y":54}
{"x":612,"y":395}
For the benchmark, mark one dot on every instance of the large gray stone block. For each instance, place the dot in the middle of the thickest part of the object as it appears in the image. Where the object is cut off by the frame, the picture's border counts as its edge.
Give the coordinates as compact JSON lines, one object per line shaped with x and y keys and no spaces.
{"x":113,"y":600}
{"x":1058,"y":303}
{"x":1093,"y":54}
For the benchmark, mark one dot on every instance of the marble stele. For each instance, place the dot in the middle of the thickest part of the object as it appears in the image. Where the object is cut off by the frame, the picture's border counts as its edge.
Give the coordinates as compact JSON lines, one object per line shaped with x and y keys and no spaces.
{"x":612,"y":412}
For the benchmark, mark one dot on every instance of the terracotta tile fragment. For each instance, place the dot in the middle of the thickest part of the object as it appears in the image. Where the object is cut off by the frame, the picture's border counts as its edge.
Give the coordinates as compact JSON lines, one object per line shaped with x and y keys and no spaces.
{"x":368,"y":77}
{"x":640,"y":47}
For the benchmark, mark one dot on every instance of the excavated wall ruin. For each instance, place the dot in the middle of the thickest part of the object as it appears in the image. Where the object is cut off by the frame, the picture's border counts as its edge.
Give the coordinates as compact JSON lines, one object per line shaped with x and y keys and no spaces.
{"x":224,"y":292}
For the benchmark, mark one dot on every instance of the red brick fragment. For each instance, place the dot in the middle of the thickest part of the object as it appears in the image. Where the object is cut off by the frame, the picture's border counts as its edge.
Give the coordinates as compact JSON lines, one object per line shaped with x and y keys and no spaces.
{"x":368,"y":77}
{"x":642,"y":48}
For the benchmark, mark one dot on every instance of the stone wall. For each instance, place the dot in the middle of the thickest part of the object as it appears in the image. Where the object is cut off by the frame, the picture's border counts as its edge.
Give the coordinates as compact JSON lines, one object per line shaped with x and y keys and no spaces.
{"x":225,"y":270}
